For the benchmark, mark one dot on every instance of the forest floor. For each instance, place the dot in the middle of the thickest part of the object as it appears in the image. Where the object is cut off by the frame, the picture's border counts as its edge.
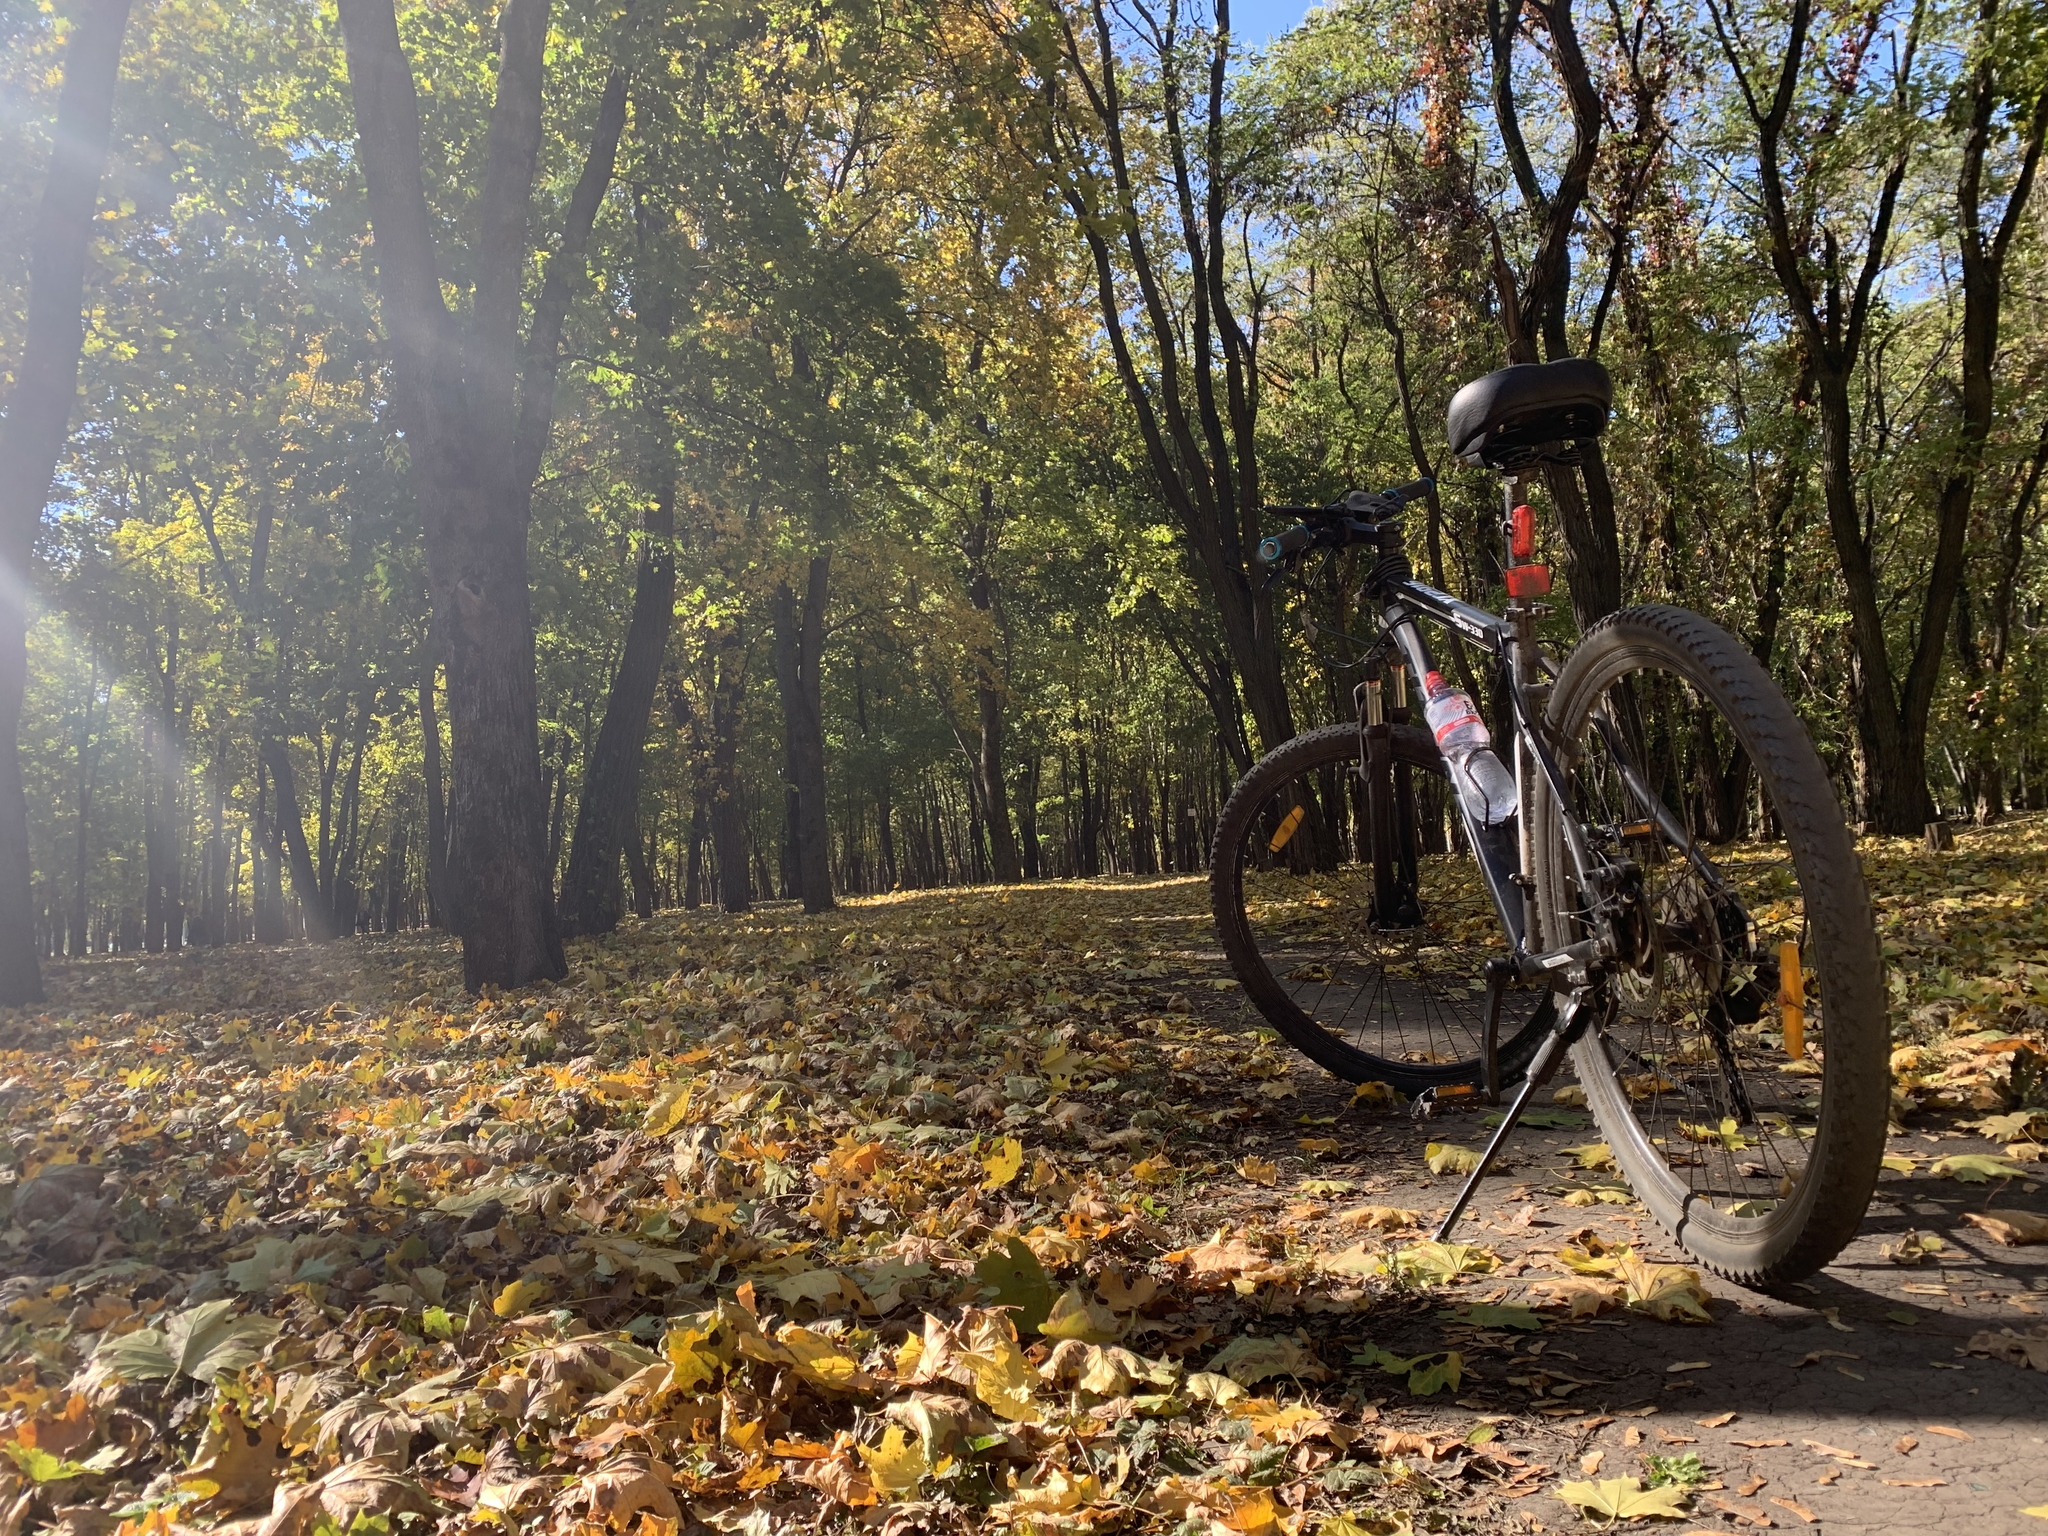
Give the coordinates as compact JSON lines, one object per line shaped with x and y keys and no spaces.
{"x":949,"y":1211}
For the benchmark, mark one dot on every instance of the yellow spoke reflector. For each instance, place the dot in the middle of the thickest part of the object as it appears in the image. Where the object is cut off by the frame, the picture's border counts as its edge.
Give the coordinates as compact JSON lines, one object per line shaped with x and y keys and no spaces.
{"x":1287,"y":829}
{"x":1792,"y":999}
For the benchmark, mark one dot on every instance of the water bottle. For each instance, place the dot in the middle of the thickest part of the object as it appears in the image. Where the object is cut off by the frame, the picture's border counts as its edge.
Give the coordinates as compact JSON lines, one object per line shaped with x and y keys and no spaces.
{"x":1468,"y":751}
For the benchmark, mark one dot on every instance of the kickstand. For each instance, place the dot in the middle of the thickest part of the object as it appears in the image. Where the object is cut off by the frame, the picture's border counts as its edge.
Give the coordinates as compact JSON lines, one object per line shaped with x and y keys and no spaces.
{"x":1542,"y":1066}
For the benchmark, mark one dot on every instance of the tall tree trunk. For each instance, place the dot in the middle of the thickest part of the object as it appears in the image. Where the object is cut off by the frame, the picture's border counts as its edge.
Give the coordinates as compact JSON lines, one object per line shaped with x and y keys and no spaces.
{"x":345,"y":891}
{"x":1582,"y":494}
{"x":799,"y":654}
{"x":266,"y":897}
{"x":292,"y":825}
{"x":1983,"y":284}
{"x":1830,"y":302}
{"x":608,"y":807}
{"x":886,"y":833}
{"x":638,"y":870}
{"x":166,"y":876}
{"x":152,"y":842}
{"x":214,"y":922}
{"x":1201,"y":444}
{"x":88,"y":781}
{"x":1027,"y":818}
{"x":728,"y":824}
{"x":440,"y":900}
{"x":693,"y":858}
{"x":475,"y":445}
{"x":988,"y":700}
{"x":38,"y":415}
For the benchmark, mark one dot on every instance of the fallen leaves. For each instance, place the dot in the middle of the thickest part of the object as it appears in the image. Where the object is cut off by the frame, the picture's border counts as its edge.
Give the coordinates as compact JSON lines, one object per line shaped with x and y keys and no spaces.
{"x":201,"y":1342}
{"x":1447,"y":1157}
{"x":2028,"y":1349}
{"x":2012,"y":1228}
{"x":1003,"y":1162}
{"x":1249,"y":1359}
{"x":1259,"y":1170}
{"x":787,"y":1214}
{"x":1625,"y":1498}
{"x":1427,"y":1374}
{"x":1976,"y":1168}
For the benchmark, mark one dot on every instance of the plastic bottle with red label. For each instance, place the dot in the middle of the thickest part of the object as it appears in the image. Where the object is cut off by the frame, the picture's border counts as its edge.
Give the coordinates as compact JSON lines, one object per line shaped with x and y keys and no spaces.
{"x":1484,"y":785}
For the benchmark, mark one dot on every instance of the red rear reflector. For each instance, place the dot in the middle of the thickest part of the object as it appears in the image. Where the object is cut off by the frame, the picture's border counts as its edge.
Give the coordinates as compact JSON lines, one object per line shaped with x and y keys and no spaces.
{"x":1522,"y":538}
{"x":1528,"y":580}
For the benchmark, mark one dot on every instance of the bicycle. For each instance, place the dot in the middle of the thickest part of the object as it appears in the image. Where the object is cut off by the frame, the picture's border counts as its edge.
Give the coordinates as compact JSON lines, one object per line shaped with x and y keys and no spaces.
{"x":1669,"y":892}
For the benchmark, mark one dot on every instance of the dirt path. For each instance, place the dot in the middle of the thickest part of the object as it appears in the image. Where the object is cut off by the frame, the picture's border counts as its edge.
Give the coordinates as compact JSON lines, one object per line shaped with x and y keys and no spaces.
{"x":1863,"y":1364}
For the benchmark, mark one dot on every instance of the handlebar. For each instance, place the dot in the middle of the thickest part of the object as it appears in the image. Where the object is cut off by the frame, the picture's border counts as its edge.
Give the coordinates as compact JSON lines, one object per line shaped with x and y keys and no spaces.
{"x":1336,"y":524}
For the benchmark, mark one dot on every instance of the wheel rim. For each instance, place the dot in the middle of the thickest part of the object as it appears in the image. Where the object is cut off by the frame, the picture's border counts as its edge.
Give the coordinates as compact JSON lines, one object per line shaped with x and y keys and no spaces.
{"x":1725,"y":1093}
{"x":1408,"y":992}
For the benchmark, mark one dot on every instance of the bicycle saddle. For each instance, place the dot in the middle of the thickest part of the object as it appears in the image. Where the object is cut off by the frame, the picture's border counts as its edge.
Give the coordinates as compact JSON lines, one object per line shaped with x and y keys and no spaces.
{"x":1508,"y":418}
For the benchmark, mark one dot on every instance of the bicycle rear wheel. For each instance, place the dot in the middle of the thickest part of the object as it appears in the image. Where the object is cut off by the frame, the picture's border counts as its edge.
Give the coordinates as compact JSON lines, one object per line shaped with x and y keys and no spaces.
{"x":1742,"y":1082}
{"x":1400,"y":1000}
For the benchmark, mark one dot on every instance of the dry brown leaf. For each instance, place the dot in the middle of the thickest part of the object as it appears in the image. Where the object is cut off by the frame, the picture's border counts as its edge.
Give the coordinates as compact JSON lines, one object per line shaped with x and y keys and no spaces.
{"x":1381,"y":1218}
{"x":2012,"y":1228}
{"x":840,"y":1476}
{"x":237,"y":1465}
{"x":2024,"y":1349}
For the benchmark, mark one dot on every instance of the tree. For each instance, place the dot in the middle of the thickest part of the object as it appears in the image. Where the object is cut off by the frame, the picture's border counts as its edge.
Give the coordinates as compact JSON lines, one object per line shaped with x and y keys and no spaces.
{"x":1830,"y":294}
{"x":1169,"y":293}
{"x":38,"y":415}
{"x":475,"y":437}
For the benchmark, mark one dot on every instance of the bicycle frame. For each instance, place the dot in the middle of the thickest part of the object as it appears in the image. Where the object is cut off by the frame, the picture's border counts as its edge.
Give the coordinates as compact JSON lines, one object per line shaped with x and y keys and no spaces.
{"x":1510,"y":640}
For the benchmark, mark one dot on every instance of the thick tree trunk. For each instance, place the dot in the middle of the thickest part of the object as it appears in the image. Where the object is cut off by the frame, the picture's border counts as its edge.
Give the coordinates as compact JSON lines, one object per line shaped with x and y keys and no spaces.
{"x":214,"y":919}
{"x":1894,"y":766}
{"x":693,"y":858}
{"x":885,"y":831}
{"x":38,"y":415}
{"x":266,"y":865}
{"x":305,"y":878}
{"x":1027,"y":818}
{"x":799,"y":654}
{"x":1583,"y":495}
{"x":638,"y":871}
{"x":470,"y":442}
{"x":609,"y":804}
{"x":988,"y":702}
{"x":728,"y":824}
{"x":88,"y":781}
{"x":441,"y":904}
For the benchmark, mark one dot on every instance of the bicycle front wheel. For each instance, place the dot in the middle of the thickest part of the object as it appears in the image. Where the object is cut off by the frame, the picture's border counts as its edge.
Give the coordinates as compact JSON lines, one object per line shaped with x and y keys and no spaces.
{"x":1742,"y":1078}
{"x":1398,"y":997}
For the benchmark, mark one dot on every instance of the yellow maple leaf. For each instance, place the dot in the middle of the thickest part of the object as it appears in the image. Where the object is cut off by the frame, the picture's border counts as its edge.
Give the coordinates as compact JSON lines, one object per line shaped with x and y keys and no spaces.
{"x":1002,"y":1163}
{"x":1625,"y":1498}
{"x":669,"y":1110}
{"x":1258,"y":1170}
{"x":1077,"y":1316}
{"x":692,"y":1363}
{"x":898,"y":1464}
{"x":818,"y":1360}
{"x":1003,"y":1378}
{"x":527,"y":1292}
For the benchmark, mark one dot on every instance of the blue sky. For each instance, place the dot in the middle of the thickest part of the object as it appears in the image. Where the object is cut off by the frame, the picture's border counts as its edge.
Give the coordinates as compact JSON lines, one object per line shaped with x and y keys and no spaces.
{"x":1257,"y":21}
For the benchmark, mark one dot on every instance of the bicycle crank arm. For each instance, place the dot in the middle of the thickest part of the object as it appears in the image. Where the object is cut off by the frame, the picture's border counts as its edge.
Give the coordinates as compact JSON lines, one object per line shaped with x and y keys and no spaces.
{"x":1542,"y":1067}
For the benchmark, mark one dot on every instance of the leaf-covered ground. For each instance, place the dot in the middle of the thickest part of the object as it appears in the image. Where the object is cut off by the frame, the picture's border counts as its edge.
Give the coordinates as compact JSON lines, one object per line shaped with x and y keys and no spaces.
{"x":951,"y":1211}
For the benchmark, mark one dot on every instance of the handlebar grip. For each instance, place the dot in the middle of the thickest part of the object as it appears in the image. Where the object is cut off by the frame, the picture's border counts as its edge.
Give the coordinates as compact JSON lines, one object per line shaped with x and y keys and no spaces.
{"x":1414,"y":490}
{"x":1277,"y":548}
